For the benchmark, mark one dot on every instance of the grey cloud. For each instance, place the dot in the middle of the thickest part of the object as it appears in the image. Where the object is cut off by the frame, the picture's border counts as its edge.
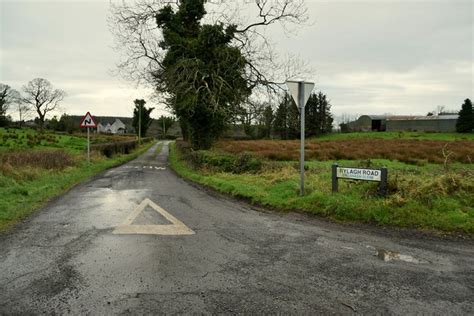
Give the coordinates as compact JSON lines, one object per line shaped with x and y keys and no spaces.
{"x":370,"y":56}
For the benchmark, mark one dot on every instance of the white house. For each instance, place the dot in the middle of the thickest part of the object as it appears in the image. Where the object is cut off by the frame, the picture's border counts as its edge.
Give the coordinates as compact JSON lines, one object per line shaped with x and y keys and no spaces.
{"x":116,"y":127}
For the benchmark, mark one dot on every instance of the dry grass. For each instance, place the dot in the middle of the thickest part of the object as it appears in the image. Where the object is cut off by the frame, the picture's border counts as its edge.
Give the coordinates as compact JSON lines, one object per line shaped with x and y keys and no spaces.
{"x":409,"y":151}
{"x":41,"y":159}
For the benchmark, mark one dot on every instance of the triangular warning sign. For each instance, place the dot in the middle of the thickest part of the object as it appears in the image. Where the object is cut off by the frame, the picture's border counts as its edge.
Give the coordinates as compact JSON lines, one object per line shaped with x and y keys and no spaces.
{"x":294,"y":88}
{"x":88,"y":121}
{"x":175,"y":228}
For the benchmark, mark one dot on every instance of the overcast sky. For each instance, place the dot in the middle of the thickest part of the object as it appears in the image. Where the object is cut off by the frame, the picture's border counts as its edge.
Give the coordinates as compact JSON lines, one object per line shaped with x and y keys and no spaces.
{"x":370,"y":57}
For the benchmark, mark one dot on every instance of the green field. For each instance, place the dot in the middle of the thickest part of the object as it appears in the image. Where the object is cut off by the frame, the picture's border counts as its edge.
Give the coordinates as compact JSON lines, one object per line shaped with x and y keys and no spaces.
{"x":432,"y":197}
{"x":34,"y":167}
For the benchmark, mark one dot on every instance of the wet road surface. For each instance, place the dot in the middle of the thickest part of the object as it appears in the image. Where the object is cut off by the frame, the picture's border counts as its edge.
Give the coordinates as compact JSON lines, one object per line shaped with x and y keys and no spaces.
{"x":138,"y":239}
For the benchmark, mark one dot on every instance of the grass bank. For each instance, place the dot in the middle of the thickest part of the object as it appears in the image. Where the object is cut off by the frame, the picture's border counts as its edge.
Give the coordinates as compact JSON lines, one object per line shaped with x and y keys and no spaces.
{"x":29,"y":177}
{"x":427,"y":197}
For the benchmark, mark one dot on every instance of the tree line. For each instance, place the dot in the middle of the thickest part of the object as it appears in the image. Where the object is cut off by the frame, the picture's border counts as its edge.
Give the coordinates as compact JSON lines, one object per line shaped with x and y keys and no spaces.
{"x":261,"y":120}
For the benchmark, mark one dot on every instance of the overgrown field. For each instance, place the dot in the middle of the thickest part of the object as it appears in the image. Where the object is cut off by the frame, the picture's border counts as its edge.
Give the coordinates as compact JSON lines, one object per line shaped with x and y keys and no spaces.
{"x":428,"y":189}
{"x":37,"y":166}
{"x":417,"y":152}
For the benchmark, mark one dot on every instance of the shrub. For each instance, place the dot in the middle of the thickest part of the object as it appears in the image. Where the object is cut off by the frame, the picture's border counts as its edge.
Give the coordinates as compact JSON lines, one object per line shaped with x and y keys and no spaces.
{"x":110,"y":149}
{"x":245,"y":162}
{"x":221,"y":162}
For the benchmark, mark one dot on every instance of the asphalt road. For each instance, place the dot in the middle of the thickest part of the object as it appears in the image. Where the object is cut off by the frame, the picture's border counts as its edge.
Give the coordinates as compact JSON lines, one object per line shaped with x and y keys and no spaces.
{"x":138,"y":239}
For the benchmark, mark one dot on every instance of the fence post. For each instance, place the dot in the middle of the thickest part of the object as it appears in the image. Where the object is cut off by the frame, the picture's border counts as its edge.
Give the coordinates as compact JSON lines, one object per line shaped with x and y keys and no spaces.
{"x":334,"y":178}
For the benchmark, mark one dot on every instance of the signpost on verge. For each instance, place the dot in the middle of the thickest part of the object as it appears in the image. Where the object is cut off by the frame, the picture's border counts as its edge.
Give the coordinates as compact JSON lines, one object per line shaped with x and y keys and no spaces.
{"x":300,"y":91}
{"x":377,"y":175}
{"x":87,"y":122}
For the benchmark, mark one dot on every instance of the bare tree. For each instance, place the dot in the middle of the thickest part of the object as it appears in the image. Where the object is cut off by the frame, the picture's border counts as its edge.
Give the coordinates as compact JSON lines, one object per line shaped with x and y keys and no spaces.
{"x":24,"y":111}
{"x":138,"y":37}
{"x":8,"y":96}
{"x":40,"y":94}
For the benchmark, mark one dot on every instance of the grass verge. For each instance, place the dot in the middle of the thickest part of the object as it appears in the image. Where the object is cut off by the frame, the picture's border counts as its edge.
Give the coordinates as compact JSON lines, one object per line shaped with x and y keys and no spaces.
{"x":23,"y":194}
{"x":423,"y":198}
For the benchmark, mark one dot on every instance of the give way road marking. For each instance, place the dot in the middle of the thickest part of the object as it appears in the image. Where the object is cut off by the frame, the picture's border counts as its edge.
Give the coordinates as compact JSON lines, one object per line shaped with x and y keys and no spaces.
{"x":176,"y":228}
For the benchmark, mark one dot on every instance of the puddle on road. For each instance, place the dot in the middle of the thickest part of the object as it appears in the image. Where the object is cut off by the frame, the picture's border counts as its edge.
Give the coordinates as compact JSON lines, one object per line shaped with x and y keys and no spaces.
{"x":387,"y":255}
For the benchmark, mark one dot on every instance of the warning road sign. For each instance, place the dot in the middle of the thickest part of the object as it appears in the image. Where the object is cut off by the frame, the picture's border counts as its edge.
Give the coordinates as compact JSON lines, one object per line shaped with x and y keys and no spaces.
{"x":88,"y":121}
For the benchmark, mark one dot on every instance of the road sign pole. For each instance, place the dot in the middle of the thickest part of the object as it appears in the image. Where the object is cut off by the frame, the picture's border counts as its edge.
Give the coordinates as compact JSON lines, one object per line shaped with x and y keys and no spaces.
{"x":301,"y":105}
{"x":297,"y":90}
{"x":88,"y":147}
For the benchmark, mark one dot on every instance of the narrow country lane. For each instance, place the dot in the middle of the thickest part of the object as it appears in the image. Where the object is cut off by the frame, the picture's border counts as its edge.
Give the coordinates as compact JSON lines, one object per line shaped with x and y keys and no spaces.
{"x":138,"y":239}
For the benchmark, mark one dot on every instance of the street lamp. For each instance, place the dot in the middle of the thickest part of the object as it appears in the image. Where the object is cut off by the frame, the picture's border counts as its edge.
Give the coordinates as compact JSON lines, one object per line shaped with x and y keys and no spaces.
{"x":300,"y":91}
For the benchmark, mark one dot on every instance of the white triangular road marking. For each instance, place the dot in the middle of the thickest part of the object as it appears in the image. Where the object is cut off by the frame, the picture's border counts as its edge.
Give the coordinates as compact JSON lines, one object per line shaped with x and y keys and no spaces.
{"x":176,"y":228}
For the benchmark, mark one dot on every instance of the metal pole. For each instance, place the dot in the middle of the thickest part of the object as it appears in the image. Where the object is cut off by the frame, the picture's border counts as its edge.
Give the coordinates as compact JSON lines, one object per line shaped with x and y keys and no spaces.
{"x":164,"y":132}
{"x":139,"y":124}
{"x":88,"y":147}
{"x":301,"y":106}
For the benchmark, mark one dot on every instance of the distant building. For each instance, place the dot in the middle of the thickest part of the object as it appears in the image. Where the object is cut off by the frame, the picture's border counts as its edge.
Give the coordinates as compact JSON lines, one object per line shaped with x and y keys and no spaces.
{"x":367,"y":123}
{"x":434,"y":123}
{"x":117,"y":127}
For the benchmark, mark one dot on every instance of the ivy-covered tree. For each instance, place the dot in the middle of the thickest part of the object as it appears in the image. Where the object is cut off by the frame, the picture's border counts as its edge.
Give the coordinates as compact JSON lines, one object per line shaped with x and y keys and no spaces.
{"x":201,"y":72}
{"x":145,"y":117}
{"x":465,"y":123}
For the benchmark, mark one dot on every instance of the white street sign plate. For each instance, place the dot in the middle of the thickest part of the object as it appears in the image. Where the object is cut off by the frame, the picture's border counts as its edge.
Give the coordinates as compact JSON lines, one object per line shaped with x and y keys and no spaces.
{"x":359,"y":174}
{"x":293,"y":86}
{"x":88,"y":121}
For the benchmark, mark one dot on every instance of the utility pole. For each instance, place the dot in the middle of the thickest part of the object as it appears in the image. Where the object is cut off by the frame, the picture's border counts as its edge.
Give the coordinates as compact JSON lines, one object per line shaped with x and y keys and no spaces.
{"x":140,"y":124}
{"x":164,"y":131}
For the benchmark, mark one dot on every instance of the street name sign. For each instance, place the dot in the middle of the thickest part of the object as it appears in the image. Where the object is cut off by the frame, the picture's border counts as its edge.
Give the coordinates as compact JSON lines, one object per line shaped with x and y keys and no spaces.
{"x":377,"y":175}
{"x":359,"y":174}
{"x":88,"y":121}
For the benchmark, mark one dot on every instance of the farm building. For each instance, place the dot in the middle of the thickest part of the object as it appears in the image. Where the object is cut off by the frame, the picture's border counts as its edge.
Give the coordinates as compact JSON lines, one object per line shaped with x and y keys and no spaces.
{"x":117,"y":127}
{"x":367,"y":123}
{"x":435,"y":123}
